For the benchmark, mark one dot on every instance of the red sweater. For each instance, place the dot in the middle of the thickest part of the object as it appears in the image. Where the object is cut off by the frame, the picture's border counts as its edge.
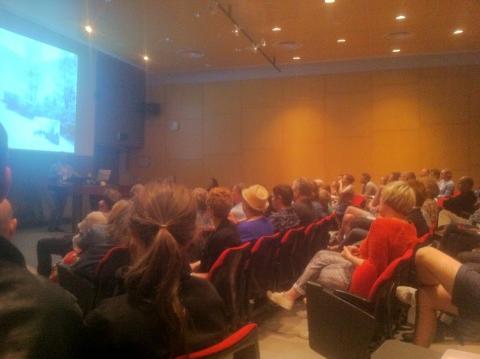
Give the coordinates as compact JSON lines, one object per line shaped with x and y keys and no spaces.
{"x":387,"y":240}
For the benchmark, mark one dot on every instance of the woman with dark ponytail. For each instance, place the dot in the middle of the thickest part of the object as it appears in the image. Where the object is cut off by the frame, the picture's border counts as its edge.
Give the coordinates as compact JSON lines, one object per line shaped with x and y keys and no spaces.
{"x":165,"y":312}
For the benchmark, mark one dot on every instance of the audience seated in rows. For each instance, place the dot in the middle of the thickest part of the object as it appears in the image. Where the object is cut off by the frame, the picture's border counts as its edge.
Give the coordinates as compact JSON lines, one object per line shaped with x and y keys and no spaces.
{"x":255,"y":203}
{"x":47,"y":247}
{"x":225,"y":235}
{"x":357,"y":268}
{"x":356,"y":222}
{"x":165,"y":311}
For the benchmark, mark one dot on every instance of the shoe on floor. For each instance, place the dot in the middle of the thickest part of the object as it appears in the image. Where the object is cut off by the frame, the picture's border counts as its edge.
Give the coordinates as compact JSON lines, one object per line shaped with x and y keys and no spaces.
{"x":281,"y":299}
{"x":406,"y":295}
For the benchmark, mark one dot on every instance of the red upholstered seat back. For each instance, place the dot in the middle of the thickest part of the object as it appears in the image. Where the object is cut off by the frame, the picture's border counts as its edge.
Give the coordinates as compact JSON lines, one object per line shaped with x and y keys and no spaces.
{"x":289,"y":254}
{"x":247,"y":335}
{"x":291,"y":235}
{"x":319,"y":235}
{"x":228,"y":276}
{"x":261,"y":266}
{"x":106,"y":279}
{"x":226,"y":258}
{"x":114,"y":256}
{"x":390,"y":272}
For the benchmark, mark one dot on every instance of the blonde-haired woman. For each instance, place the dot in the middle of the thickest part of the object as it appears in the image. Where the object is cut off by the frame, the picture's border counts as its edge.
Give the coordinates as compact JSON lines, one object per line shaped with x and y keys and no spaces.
{"x":357,"y":268}
{"x":165,"y":312}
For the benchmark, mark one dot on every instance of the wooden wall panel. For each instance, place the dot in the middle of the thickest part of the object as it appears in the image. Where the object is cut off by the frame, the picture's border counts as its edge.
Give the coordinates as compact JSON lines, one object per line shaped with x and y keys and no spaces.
{"x":271,"y":131}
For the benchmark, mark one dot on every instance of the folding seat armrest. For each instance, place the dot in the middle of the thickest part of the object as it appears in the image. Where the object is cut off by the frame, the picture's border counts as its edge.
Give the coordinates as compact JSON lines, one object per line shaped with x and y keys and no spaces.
{"x":356,"y":300}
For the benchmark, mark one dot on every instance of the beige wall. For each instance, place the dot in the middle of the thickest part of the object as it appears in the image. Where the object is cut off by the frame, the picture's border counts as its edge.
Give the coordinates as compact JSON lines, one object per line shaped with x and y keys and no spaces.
{"x":273,"y":130}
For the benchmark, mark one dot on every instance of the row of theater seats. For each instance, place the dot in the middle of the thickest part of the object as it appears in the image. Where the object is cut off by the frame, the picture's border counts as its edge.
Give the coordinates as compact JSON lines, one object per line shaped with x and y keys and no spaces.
{"x":242,"y":275}
{"x":342,"y":325}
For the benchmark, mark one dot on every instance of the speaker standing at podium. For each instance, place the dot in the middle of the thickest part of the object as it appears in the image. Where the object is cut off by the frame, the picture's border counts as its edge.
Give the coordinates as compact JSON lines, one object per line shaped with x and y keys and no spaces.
{"x":60,"y":186}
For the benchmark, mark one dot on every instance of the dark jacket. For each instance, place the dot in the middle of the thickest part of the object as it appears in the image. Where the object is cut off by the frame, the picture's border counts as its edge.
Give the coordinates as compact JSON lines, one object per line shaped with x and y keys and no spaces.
{"x":37,"y":318}
{"x":225,"y":236}
{"x":94,"y":244}
{"x":305,"y":211}
{"x":118,"y":329}
{"x":462,"y":205}
{"x":418,"y":220}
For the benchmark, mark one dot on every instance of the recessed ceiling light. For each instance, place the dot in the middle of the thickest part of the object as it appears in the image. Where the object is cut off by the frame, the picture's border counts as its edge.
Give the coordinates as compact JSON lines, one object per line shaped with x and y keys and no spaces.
{"x":395,"y":50}
{"x":329,"y":1}
{"x":296,"y":58}
{"x":400,"y":17}
{"x":88,"y":29}
{"x":341,"y":41}
{"x":276,"y":29}
{"x":458,"y":32}
{"x":146,"y":58}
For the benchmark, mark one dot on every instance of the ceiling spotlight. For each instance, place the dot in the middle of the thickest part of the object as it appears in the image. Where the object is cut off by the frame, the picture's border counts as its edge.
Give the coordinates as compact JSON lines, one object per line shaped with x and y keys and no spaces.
{"x":146,"y":58}
{"x":197,"y":15}
{"x":296,"y":58}
{"x":400,"y":17}
{"x":341,"y":41}
{"x":329,"y":1}
{"x":88,"y":29}
{"x":276,"y":29}
{"x":263,"y":43}
{"x":395,"y":50}
{"x":458,"y":32}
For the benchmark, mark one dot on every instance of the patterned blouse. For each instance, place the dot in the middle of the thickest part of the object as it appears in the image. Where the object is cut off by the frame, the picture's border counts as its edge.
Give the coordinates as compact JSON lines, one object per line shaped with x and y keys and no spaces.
{"x":284,"y":219}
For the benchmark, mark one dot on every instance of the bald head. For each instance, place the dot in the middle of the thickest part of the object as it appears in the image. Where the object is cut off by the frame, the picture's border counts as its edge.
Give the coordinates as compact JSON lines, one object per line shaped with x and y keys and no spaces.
{"x":8,"y":224}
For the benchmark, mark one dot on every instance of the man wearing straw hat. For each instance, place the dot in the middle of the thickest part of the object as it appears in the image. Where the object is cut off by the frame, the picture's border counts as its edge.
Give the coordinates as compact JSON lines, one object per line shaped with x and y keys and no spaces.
{"x":255,"y":202}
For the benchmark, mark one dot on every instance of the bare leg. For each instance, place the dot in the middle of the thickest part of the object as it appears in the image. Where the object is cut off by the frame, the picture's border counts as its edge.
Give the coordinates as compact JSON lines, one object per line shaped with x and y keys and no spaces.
{"x":430,"y":299}
{"x":434,"y":267}
{"x":345,"y":226}
{"x":437,"y":271}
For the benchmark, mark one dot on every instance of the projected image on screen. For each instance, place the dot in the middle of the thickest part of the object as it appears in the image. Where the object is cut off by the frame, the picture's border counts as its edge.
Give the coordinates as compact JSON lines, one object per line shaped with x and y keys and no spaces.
{"x":38,"y":94}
